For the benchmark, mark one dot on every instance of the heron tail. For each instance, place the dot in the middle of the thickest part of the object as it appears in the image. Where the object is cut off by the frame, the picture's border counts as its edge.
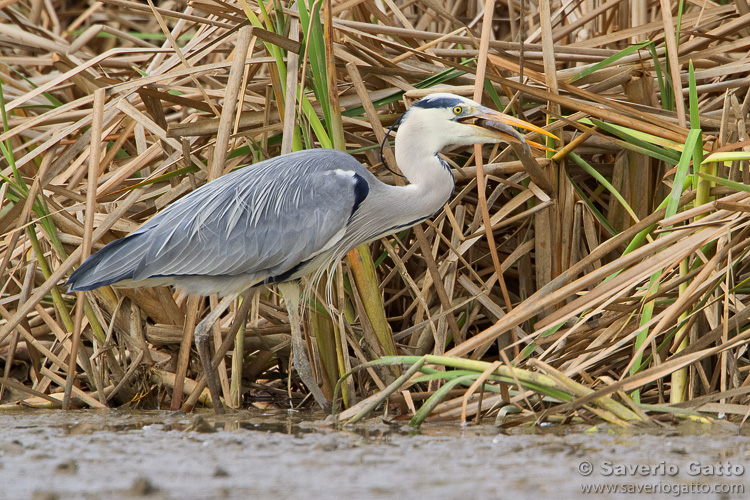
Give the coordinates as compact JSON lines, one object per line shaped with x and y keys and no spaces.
{"x":115,"y":262}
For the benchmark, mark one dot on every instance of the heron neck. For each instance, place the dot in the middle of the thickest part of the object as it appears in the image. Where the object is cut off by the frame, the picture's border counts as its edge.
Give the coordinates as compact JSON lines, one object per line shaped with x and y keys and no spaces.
{"x":430,"y":179}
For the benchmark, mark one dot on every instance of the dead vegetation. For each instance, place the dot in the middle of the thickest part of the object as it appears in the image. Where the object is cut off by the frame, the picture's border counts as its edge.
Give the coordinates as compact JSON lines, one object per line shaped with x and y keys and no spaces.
{"x":607,"y":281}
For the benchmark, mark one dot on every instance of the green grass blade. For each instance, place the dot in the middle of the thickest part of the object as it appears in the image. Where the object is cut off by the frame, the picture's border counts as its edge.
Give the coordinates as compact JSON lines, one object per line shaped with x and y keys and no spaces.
{"x":657,"y":68}
{"x":640,"y":143}
{"x":739,"y":186}
{"x":727,"y":156}
{"x":312,"y":29}
{"x":604,"y":182}
{"x":436,"y":398}
{"x":611,"y":59}
{"x":682,"y":171}
{"x":431,"y":81}
{"x":695,"y":119}
{"x":599,"y":216}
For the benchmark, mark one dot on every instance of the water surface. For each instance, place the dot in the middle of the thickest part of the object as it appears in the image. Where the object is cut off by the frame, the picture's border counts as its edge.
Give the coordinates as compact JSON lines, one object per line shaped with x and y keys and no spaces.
{"x":84,"y":454}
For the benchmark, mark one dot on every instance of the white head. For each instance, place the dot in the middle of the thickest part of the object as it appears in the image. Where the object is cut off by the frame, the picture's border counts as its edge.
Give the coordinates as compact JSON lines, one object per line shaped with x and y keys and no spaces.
{"x":443,"y":119}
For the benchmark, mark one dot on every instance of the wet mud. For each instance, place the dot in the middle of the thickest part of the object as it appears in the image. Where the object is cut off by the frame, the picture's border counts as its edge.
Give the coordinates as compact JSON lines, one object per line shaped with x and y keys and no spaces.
{"x":55,"y":455}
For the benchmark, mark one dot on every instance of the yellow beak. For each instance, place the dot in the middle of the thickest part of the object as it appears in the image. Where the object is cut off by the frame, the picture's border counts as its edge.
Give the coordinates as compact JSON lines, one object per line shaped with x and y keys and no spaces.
{"x":501,"y":126}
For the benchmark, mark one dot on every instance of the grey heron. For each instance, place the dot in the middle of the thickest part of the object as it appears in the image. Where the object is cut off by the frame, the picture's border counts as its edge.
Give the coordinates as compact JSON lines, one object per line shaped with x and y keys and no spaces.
{"x":287,"y":217}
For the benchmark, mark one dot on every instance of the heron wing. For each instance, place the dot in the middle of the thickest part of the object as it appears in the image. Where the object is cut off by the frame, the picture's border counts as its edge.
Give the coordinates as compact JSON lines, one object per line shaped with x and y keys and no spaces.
{"x":263,"y":220}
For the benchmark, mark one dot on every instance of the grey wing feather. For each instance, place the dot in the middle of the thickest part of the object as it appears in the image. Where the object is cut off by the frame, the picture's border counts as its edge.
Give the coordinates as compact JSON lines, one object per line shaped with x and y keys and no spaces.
{"x":260,"y":222}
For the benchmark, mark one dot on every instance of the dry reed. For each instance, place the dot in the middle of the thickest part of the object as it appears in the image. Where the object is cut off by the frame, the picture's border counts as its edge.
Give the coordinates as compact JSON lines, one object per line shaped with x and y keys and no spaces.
{"x":607,"y":281}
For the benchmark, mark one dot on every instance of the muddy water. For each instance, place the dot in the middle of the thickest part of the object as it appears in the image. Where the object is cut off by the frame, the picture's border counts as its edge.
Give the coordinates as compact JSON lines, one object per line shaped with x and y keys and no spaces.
{"x":54,"y":455}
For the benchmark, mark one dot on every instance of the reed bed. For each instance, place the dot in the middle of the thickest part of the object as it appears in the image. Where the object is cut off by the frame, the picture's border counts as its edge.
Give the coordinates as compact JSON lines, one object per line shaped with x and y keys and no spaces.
{"x":604,"y":281}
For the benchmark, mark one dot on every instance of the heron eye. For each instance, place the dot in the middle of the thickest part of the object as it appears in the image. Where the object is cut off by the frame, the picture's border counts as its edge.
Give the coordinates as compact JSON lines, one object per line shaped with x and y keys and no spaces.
{"x":458,"y":110}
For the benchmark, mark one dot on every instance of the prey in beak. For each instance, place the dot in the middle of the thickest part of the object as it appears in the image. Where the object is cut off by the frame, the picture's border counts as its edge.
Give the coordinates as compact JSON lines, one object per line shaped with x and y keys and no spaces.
{"x":500,"y":126}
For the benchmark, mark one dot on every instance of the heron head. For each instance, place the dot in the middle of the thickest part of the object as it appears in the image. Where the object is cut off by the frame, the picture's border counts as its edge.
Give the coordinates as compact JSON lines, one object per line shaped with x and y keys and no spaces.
{"x":450,"y":119}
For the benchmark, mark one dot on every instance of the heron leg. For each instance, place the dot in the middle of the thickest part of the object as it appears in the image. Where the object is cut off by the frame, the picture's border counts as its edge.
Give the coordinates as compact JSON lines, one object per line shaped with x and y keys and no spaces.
{"x":290,"y":290}
{"x":204,"y":351}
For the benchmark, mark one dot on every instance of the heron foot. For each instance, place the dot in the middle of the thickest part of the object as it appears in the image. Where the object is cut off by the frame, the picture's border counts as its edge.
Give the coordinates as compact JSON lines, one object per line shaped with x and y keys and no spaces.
{"x":304,"y":370}
{"x":291,"y":292}
{"x":204,"y":352}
